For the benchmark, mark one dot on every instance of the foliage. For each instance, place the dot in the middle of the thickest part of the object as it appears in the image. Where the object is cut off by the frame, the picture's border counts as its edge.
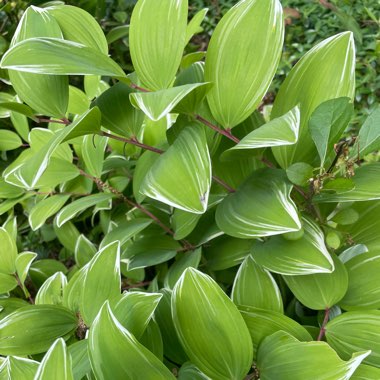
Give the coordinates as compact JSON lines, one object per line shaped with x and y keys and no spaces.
{"x":199,"y":238}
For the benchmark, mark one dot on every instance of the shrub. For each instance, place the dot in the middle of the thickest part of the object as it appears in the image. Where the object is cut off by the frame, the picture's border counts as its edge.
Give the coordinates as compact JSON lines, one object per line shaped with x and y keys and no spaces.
{"x":169,"y":191}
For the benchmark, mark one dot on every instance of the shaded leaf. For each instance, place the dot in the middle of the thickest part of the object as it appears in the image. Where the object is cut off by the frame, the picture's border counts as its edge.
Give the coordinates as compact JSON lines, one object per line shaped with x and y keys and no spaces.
{"x":9,"y":140}
{"x":8,"y":252}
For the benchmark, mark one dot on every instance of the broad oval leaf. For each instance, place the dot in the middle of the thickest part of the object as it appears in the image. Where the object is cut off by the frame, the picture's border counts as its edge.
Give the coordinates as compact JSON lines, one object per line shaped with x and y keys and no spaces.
{"x":222,"y":348}
{"x":7,"y":283}
{"x":283,"y":357}
{"x":134,"y":310}
{"x":102,"y":281}
{"x":366,"y":372}
{"x":157,"y":37}
{"x":256,"y":287}
{"x":262,"y":323}
{"x":253,"y":63}
{"x":306,"y":255}
{"x":118,"y":114}
{"x":52,"y":290}
{"x":23,"y":262}
{"x":260,"y":207}
{"x":56,"y":363}
{"x":320,"y":290}
{"x":108,"y":339}
{"x":326,"y":72}
{"x":33,"y":89}
{"x":181,"y":177}
{"x":353,"y":331}
{"x":9,"y":140}
{"x":79,"y":26}
{"x":41,"y":326}
{"x":59,"y":57}
{"x":364,"y":283}
{"x":18,"y":368}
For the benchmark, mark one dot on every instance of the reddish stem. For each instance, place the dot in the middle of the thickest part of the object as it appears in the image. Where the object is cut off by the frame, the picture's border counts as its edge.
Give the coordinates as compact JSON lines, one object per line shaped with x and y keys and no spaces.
{"x":224,"y":132}
{"x":61,"y":121}
{"x":322,"y":331}
{"x":223,"y":184}
{"x":136,"y":87}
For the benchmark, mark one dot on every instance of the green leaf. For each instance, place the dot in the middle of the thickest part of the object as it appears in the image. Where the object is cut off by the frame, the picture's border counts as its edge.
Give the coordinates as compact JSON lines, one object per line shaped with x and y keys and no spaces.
{"x":183,"y":223}
{"x":283,"y":357}
{"x":327,"y":124}
{"x":172,"y":347}
{"x":76,"y":207}
{"x":189,"y":371}
{"x":45,"y":209}
{"x":187,"y":260}
{"x":148,"y":252}
{"x":125,"y":231}
{"x":7,"y":283}
{"x":19,"y":368}
{"x":368,"y":139}
{"x":251,"y":67}
{"x":58,"y":57}
{"x":300,"y":173}
{"x":158,"y":104}
{"x":280,"y":131}
{"x":326,"y":72}
{"x":364,"y":285}
{"x":16,"y":107}
{"x":51,"y":291}
{"x":307,"y":255}
{"x":181,"y":177}
{"x":80,"y":358}
{"x":260,"y":207}
{"x":36,"y":90}
{"x":118,"y":114}
{"x":5,"y":98}
{"x":67,"y":235}
{"x":366,"y":187}
{"x":41,"y":326}
{"x":353,"y":331}
{"x":157,"y":37}
{"x":134,"y":310}
{"x":79,"y":26}
{"x":9,"y":140}
{"x":41,"y":270}
{"x":107,"y":339}
{"x":262,"y":323}
{"x":152,"y":339}
{"x":8,"y":253}
{"x":116,"y":33}
{"x":255,"y":286}
{"x":366,"y":372}
{"x":72,"y":293}
{"x":33,"y":169}
{"x":93,"y":149}
{"x":84,"y":251}
{"x":78,"y":101}
{"x":194,"y":26}
{"x":23,"y":263}
{"x":10,"y":304}
{"x":321,"y":290}
{"x":226,"y":252}
{"x":218,"y":324}
{"x":56,"y":363}
{"x":102,"y":281}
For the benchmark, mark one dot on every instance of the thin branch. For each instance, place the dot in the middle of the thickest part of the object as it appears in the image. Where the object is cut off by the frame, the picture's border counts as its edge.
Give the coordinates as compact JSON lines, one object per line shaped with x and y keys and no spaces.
{"x":46,"y":120}
{"x":322,"y":331}
{"x":136,"y":87}
{"x":224,"y":132}
{"x":132,"y":141}
{"x":223,"y":184}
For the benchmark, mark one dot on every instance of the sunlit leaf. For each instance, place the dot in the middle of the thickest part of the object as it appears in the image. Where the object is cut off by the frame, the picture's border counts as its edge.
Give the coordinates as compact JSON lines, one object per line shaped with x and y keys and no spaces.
{"x":8,"y":252}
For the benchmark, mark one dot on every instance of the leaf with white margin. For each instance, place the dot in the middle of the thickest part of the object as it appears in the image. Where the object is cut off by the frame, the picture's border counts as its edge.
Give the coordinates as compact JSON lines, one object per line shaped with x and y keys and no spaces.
{"x":254,"y":286}
{"x":280,"y":131}
{"x":181,"y":177}
{"x":18,"y":368}
{"x":353,"y":331}
{"x":242,"y":78}
{"x":222,"y":347}
{"x":158,"y":104}
{"x":31,"y":171}
{"x":306,"y":255}
{"x":283,"y":357}
{"x":56,"y":363}
{"x":51,"y":291}
{"x":8,"y":252}
{"x":108,"y":339}
{"x":58,"y":57}
{"x":23,"y":262}
{"x":261,"y":206}
{"x":102,"y":281}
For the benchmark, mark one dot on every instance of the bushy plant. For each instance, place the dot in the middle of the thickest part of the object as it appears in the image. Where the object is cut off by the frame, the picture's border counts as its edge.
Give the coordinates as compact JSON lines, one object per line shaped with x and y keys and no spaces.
{"x":200,"y":241}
